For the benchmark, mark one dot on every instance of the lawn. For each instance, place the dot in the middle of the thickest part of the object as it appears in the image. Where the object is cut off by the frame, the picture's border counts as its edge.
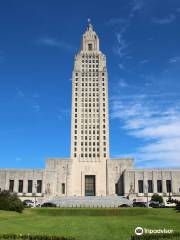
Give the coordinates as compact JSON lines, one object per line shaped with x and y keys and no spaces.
{"x":88,"y":224}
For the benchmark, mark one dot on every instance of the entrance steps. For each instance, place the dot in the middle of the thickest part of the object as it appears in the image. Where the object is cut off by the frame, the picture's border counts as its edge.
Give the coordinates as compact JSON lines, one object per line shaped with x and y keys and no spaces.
{"x":90,"y":202}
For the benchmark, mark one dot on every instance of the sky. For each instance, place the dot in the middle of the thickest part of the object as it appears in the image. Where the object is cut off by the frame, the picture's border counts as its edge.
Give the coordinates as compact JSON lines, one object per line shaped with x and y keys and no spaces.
{"x":38,"y":42}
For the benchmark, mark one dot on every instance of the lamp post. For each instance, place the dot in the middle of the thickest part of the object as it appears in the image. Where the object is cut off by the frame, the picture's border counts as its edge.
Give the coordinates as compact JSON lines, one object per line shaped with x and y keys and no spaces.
{"x":146,"y":191}
{"x":36,"y":186}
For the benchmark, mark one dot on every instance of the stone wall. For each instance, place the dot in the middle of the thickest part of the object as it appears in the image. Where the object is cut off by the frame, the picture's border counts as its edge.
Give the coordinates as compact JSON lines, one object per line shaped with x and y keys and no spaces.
{"x":22,"y":174}
{"x":115,"y":169}
{"x":131,"y":178}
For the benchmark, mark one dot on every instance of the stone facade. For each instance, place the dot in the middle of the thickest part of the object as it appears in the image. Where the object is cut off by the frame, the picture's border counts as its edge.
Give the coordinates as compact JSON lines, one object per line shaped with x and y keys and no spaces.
{"x":140,"y":183}
{"x":90,"y":171}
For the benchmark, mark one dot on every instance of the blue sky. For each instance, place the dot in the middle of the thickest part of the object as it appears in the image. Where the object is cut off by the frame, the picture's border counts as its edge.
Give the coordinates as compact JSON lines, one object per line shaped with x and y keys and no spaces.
{"x":38,"y":41}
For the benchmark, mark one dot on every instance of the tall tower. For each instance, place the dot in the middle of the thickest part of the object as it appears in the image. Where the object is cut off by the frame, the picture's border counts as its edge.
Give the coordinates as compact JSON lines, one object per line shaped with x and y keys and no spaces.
{"x":90,"y":126}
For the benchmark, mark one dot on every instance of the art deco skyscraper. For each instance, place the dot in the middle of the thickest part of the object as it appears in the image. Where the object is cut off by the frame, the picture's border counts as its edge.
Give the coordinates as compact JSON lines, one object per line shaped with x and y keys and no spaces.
{"x":90,"y":126}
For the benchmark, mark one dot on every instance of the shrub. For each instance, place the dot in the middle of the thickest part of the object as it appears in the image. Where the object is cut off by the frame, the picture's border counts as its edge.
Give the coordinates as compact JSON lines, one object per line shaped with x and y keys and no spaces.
{"x":171,"y":200}
{"x":157,"y":198}
{"x":33,"y":237}
{"x":178,"y":206}
{"x":10,"y":202}
{"x":173,"y":236}
{"x":176,"y":202}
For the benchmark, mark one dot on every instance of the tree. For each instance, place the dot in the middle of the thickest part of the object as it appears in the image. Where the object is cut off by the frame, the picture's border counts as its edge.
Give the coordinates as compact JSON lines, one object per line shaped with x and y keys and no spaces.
{"x":157,"y":198}
{"x":10,"y":202}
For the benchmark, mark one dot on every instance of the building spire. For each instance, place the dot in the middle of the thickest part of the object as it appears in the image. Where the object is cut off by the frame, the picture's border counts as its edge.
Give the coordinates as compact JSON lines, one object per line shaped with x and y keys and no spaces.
{"x":90,"y":26}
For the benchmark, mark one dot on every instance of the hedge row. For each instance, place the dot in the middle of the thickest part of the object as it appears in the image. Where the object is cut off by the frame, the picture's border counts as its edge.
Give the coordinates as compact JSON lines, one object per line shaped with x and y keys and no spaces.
{"x":32,"y":237}
{"x":173,"y":236}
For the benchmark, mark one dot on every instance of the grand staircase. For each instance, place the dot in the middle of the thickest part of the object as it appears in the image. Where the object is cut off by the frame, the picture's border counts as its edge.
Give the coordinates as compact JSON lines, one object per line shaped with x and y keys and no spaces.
{"x":91,"y":202}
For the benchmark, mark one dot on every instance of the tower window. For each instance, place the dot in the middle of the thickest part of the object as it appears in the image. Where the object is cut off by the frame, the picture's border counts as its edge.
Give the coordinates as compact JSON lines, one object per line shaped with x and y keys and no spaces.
{"x":90,"y":46}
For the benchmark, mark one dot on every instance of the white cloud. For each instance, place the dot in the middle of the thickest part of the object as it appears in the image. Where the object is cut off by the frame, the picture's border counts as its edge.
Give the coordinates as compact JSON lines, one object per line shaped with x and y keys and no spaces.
{"x":157,"y":128}
{"x":122,"y":23}
{"x":51,"y":42}
{"x":122,"y":83}
{"x":167,"y":20}
{"x":121,"y":66}
{"x":1,"y":59}
{"x":36,"y":107}
{"x":137,"y":5}
{"x":144,"y":61}
{"x":36,"y":95}
{"x":174,"y":59}
{"x":30,"y":100}
{"x":118,"y":21}
{"x":19,"y":93}
{"x":121,"y":46}
{"x":19,"y":159}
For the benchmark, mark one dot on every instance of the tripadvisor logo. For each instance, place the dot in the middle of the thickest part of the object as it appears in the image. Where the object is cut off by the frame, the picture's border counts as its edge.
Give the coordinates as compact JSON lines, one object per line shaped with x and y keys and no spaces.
{"x":139,"y":231}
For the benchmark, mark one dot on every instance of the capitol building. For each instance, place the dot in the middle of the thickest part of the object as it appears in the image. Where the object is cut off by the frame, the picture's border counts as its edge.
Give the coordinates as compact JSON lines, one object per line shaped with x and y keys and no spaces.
{"x":90,"y":171}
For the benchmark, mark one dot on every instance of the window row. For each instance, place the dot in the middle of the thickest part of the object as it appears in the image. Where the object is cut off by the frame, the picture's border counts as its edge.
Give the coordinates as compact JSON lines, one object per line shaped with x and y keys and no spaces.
{"x":90,"y":143}
{"x":89,"y":105}
{"x":86,"y":115}
{"x":30,"y":188}
{"x":90,"y":121}
{"x":91,"y":149}
{"x":90,"y":116}
{"x":86,"y":95}
{"x":88,"y":79}
{"x":150,"y":188}
{"x":90,"y":126}
{"x":91,"y":94}
{"x":89,"y":66}
{"x":89,"y":70}
{"x":90,"y":61}
{"x":88,"y":99}
{"x":89,"y":110}
{"x":90,"y":84}
{"x":90,"y":56}
{"x":89,"y":74}
{"x":86,"y":149}
{"x":83,"y":89}
{"x":90,"y":138}
{"x":91,"y":155}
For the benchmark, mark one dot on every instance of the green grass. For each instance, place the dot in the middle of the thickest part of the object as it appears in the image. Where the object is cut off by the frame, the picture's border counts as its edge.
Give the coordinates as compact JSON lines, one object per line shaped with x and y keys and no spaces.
{"x":88,"y":224}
